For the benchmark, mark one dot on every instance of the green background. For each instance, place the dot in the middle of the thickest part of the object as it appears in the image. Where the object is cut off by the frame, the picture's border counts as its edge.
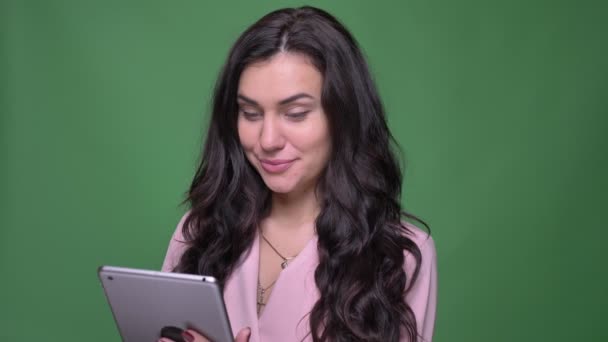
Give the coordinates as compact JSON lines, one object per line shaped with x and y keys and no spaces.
{"x":500,"y":107}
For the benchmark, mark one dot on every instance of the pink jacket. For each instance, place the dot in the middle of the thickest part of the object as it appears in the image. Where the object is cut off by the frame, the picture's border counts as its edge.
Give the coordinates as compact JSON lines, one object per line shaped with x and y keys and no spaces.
{"x":285,"y":316}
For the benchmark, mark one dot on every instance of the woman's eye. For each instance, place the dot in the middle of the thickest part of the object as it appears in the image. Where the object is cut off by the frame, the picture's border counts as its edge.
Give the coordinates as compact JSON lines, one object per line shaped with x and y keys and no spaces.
{"x":251,"y":115}
{"x":297,"y":116}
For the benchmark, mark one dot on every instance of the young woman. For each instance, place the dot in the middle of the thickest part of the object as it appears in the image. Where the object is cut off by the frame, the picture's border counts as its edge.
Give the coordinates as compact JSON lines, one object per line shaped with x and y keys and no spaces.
{"x":295,"y":207}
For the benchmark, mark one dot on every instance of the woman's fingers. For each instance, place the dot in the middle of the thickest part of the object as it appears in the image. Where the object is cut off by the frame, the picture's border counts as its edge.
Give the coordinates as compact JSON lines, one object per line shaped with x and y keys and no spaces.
{"x":243,"y":335}
{"x":193,"y":336}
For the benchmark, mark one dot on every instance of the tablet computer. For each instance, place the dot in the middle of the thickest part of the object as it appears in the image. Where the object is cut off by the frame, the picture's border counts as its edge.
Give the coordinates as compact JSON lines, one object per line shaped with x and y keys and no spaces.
{"x":149,"y":304}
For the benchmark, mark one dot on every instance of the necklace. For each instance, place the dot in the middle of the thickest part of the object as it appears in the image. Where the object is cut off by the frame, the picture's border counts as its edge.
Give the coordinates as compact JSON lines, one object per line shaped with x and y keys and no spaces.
{"x":261,"y":293}
{"x":285,"y":259}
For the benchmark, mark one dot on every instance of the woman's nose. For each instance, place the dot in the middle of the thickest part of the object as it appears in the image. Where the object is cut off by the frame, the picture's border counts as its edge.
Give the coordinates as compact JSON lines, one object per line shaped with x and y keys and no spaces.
{"x":271,"y":137}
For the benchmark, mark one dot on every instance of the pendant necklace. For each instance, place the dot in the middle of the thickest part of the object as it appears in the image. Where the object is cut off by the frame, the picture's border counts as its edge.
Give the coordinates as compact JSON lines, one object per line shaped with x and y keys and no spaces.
{"x":285,"y":260}
{"x":261,"y":291}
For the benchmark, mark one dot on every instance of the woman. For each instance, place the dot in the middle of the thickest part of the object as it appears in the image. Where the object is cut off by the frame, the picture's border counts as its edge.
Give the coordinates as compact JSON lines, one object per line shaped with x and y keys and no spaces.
{"x":295,"y":205}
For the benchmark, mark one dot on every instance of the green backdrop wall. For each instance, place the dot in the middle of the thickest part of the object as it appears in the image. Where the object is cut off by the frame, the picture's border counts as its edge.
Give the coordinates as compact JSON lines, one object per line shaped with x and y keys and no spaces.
{"x":500,"y":107}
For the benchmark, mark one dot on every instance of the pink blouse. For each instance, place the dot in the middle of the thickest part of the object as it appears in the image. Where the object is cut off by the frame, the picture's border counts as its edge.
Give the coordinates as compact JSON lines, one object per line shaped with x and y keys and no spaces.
{"x":284,"y":317}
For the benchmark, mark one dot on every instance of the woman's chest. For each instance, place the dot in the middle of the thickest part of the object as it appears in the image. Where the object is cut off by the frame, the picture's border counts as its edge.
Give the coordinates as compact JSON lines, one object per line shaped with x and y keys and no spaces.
{"x":285,"y":315}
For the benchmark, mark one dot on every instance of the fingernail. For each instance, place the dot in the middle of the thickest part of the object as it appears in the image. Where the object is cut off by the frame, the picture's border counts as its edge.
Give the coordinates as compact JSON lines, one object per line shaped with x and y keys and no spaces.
{"x":187,"y":336}
{"x":248,"y":331}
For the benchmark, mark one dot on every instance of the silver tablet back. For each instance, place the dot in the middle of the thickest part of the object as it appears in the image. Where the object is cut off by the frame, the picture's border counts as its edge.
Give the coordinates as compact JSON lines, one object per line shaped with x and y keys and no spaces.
{"x":144,"y":302}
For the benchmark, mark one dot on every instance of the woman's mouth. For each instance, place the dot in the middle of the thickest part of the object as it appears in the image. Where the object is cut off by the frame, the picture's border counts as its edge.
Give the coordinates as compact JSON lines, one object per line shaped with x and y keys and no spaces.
{"x":276,"y":165}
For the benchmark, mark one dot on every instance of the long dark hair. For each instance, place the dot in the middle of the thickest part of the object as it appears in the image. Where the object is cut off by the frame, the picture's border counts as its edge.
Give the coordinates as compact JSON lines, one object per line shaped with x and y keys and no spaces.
{"x":361,"y":235}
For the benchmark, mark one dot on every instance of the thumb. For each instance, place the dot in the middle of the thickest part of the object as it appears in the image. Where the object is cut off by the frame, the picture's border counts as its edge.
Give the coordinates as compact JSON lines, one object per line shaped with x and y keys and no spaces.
{"x":243,"y":335}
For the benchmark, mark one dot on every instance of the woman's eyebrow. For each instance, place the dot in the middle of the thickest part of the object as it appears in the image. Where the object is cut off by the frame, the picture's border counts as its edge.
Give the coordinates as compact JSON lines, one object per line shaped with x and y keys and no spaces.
{"x":248,"y":100}
{"x":282,"y":102}
{"x":295,"y":97}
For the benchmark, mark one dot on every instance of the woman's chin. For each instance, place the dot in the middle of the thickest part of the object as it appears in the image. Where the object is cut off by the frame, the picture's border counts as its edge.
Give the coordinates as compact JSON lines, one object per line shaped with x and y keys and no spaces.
{"x":288,"y":185}
{"x":280,"y":188}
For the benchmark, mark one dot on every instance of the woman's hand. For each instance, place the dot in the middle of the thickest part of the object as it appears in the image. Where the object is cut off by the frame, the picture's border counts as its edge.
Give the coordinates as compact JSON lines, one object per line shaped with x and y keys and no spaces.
{"x":193,"y":336}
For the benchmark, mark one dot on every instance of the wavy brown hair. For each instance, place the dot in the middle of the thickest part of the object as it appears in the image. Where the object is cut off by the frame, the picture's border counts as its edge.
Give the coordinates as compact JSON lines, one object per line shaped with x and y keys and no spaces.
{"x":361,"y":236}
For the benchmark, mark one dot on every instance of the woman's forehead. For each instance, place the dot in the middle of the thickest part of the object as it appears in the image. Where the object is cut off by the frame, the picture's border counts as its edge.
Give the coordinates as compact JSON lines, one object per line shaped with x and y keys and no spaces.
{"x":282,"y":76}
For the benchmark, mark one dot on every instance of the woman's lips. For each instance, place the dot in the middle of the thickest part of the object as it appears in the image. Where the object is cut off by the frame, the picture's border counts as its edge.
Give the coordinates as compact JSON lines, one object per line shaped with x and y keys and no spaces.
{"x":276,"y":165}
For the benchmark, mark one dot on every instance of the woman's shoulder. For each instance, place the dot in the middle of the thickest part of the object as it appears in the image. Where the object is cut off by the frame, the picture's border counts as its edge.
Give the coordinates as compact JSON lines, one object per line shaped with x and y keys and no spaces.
{"x":426,"y":245}
{"x":420,"y":237}
{"x":422,"y":294}
{"x":177,"y":246}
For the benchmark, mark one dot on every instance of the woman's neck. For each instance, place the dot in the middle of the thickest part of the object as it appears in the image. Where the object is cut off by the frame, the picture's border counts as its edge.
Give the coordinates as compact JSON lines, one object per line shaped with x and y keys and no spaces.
{"x":294,"y":211}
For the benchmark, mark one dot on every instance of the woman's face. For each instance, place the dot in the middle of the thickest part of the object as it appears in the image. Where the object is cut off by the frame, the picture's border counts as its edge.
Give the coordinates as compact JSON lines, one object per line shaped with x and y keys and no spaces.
{"x":282,"y":126}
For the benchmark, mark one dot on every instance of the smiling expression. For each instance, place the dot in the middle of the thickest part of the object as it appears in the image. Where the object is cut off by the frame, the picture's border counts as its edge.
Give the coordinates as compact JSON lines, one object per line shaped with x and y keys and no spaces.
{"x":281,"y":123}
